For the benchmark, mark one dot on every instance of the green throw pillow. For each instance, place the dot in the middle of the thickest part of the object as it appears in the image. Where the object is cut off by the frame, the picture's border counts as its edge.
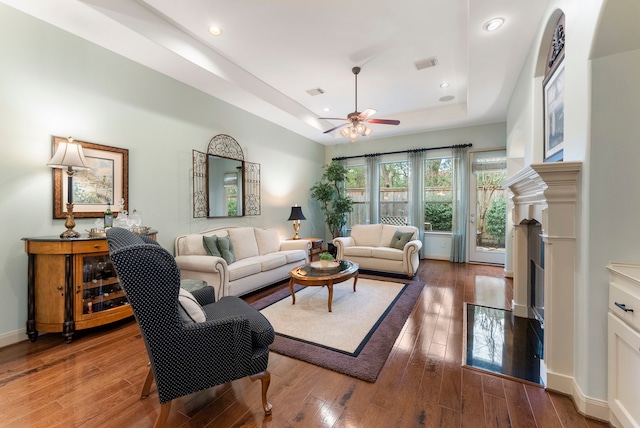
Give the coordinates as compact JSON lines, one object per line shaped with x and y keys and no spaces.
{"x":211,"y":245}
{"x":400,"y":239}
{"x":226,"y":249}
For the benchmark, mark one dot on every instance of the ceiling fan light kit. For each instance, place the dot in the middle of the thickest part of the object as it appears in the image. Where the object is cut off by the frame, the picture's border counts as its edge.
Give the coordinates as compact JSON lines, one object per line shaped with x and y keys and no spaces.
{"x":356,"y":121}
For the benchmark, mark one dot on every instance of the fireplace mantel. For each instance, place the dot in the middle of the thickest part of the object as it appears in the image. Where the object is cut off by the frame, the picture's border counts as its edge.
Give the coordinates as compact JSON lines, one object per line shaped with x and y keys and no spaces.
{"x":539,"y":185}
{"x":547,"y":193}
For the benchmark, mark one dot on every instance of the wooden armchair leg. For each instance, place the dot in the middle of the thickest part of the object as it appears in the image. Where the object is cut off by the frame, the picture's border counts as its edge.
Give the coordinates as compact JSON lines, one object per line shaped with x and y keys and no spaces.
{"x":161,"y":421}
{"x":146,"y":388}
{"x":265,"y":378}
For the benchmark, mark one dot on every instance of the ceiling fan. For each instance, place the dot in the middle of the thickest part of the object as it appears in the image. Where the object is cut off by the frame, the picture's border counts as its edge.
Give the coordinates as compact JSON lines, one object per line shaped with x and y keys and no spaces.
{"x":357,"y":120}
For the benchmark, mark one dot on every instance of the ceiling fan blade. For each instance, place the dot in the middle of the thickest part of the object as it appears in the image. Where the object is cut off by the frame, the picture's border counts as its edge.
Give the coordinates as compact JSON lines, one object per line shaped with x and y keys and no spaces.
{"x":365,"y":114}
{"x":337,"y":127}
{"x":384,"y":121}
{"x":333,"y":118}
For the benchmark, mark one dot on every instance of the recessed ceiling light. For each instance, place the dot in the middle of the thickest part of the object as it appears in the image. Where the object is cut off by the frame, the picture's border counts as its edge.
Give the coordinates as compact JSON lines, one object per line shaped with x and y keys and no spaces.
{"x":326,"y":109}
{"x":216,"y":31}
{"x":447,"y":98}
{"x":493,"y":24}
{"x":444,"y":85}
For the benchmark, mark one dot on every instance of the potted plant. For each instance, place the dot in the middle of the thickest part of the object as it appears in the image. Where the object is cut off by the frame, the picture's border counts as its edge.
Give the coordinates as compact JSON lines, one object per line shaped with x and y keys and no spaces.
{"x":330,"y":193}
{"x":327,"y":260}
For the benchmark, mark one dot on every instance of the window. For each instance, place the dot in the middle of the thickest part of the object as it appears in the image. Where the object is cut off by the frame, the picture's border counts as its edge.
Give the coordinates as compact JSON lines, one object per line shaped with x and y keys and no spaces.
{"x":438,"y":194}
{"x":394,"y":197}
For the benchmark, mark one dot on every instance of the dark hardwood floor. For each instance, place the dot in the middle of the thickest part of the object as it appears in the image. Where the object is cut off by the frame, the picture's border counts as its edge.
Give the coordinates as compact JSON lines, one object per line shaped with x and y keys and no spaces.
{"x":95,"y":381}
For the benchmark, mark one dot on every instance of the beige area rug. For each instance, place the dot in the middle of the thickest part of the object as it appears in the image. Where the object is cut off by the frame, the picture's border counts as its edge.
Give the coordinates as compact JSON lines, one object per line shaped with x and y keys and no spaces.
{"x":370,"y":320}
{"x":351,"y":320}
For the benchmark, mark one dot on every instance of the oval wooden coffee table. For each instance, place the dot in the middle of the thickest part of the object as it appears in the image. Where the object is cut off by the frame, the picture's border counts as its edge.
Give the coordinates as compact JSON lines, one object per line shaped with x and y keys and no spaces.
{"x":308,"y":276}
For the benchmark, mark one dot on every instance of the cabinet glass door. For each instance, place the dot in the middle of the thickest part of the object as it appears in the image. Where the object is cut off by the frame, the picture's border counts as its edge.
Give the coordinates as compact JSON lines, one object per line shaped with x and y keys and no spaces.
{"x":101,"y":289}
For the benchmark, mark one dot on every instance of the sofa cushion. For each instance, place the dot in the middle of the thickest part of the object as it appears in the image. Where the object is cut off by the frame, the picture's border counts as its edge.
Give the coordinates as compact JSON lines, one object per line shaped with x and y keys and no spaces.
{"x":226,"y":249}
{"x":386,"y":253}
{"x":243,"y":268}
{"x":268,"y":241}
{"x":271,"y":261}
{"x":294,"y":255}
{"x":189,"y":309}
{"x":367,"y":235}
{"x":357,"y":252}
{"x":192,"y":245}
{"x":211,"y":245}
{"x":244,"y":242}
{"x":400,"y":239}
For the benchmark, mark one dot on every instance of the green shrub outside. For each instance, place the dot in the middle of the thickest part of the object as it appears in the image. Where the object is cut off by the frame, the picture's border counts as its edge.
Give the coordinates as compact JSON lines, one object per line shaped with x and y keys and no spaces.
{"x":495,"y":221}
{"x":439,"y":215}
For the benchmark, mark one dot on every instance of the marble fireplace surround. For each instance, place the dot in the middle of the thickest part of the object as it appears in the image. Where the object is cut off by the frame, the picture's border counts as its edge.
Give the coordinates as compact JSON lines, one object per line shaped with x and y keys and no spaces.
{"x":547,"y":193}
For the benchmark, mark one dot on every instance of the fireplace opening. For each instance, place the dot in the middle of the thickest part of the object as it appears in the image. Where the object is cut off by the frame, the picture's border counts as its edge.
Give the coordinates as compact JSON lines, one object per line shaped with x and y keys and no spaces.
{"x":536,"y":270}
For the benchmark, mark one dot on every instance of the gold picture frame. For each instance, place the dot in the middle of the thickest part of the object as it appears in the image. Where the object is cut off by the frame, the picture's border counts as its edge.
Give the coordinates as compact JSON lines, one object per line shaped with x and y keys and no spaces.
{"x":107,"y":181}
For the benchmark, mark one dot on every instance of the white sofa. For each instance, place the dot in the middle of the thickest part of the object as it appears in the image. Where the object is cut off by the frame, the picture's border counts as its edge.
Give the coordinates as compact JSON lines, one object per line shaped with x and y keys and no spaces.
{"x":262,"y":258}
{"x":369,"y":246}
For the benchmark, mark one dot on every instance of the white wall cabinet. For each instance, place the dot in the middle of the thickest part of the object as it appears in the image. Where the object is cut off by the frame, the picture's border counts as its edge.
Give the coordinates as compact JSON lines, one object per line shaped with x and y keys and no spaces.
{"x":624,"y":345}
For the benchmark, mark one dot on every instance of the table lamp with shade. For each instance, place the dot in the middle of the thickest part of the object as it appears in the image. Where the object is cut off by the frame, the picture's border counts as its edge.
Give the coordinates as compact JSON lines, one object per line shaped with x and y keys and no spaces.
{"x":296,"y":216}
{"x":69,"y":156}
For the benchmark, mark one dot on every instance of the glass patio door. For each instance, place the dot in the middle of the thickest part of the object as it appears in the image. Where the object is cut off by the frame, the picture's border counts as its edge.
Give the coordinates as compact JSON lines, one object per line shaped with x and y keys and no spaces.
{"x":487,"y":207}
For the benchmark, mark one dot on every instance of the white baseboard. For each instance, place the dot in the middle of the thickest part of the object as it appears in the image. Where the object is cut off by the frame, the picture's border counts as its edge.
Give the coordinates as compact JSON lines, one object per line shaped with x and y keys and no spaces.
{"x":13,"y":337}
{"x":520,"y":310}
{"x":588,"y":406}
{"x":436,"y":257}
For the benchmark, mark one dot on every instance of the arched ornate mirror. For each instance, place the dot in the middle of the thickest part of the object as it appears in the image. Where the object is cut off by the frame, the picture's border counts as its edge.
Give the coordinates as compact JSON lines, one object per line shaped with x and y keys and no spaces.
{"x":224,"y":184}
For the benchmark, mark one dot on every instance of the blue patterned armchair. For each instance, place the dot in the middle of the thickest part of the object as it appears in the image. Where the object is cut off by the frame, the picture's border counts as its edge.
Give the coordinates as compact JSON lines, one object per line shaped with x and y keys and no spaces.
{"x":231,"y":340}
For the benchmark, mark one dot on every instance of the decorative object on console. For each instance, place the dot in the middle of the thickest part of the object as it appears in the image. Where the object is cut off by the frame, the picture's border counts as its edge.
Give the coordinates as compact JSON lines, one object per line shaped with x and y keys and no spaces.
{"x":106,"y":180}
{"x":295,"y":216}
{"x":69,"y":156}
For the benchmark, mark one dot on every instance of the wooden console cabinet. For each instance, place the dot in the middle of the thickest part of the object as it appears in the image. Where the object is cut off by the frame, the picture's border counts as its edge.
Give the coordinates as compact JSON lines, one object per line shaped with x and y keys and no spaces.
{"x":71,"y":286}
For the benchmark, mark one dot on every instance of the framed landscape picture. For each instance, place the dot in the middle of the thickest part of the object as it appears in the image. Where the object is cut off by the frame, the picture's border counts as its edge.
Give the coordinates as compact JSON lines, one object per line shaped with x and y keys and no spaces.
{"x":107,"y":182}
{"x":554,"y":115}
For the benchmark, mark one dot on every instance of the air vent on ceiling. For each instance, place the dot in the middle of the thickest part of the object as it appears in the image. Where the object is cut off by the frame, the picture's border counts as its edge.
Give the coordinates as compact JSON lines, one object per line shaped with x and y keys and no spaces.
{"x":426,"y":63}
{"x":314,"y":92}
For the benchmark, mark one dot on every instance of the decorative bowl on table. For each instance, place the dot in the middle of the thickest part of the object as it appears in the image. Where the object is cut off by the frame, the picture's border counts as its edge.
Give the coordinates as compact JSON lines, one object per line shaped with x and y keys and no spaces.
{"x":140,"y":230}
{"x":325,"y":265}
{"x":96,"y":232}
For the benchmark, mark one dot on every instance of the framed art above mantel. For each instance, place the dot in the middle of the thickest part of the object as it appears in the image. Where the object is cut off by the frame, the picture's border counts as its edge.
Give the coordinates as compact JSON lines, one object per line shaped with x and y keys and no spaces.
{"x":107,"y":182}
{"x":554,"y":115}
{"x":553,"y":95}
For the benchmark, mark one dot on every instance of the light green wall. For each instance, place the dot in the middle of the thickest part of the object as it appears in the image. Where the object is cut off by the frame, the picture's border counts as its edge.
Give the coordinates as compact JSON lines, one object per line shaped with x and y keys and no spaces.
{"x":53,"y":83}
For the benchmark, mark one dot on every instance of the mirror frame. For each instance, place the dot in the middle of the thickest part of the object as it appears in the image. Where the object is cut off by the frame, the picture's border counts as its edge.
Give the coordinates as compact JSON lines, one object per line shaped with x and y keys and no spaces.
{"x":225,"y":146}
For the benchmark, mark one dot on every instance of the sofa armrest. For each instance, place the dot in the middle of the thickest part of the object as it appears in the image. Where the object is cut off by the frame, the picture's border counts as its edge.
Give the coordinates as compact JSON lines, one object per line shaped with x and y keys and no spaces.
{"x":411,"y":256}
{"x":213,"y":270}
{"x":295,"y":244}
{"x":205,"y":295}
{"x":341,"y":243}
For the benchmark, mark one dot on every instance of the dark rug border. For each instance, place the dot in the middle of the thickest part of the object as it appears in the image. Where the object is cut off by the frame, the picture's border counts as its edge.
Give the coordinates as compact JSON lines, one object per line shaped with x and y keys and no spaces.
{"x":370,"y":360}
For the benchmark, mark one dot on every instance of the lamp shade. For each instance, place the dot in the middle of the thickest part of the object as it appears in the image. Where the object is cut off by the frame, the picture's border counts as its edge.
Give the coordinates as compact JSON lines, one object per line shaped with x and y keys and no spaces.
{"x":69,"y":155}
{"x":296,"y":214}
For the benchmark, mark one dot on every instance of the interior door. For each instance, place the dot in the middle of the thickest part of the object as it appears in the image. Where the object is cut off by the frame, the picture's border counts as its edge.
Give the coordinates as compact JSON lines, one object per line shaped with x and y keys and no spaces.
{"x":487,"y":207}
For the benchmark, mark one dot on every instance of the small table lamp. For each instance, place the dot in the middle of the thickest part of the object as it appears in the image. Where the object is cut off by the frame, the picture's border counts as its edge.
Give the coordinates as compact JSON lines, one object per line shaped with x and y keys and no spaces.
{"x":69,"y":155}
{"x":296,"y":216}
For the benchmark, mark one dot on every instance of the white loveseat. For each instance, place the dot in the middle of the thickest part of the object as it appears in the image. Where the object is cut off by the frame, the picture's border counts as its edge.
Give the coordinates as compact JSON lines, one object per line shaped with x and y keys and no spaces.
{"x":369,"y":246}
{"x":262,"y":258}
